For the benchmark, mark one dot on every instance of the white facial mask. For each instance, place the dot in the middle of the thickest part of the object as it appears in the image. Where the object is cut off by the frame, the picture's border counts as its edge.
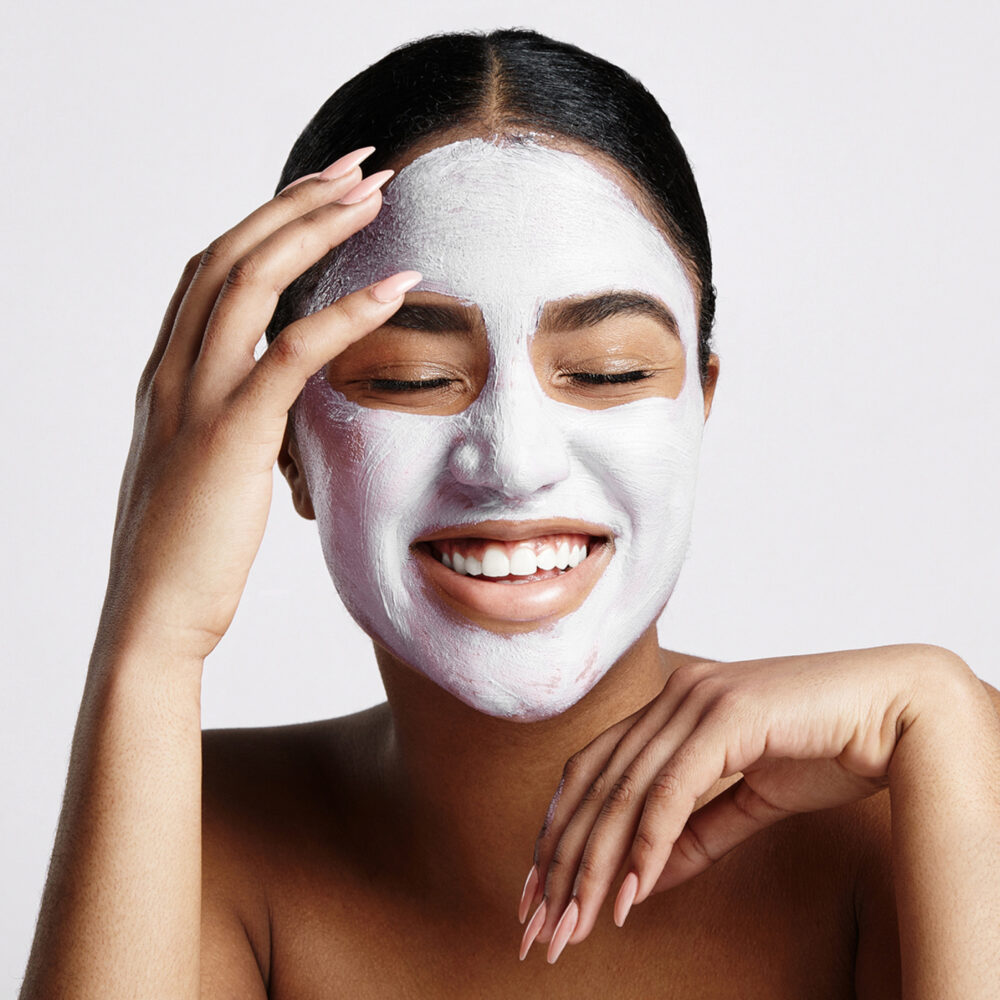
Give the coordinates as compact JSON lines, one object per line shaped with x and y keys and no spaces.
{"x":507,"y":228}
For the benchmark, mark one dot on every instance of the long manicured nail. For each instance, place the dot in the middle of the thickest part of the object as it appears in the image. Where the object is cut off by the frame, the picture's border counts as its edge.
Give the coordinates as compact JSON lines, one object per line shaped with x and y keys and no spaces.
{"x":530,"y":885}
{"x":365,"y":188}
{"x":532,"y":930}
{"x":346,"y":163}
{"x":389,"y":289}
{"x":626,"y":896}
{"x":564,"y":930}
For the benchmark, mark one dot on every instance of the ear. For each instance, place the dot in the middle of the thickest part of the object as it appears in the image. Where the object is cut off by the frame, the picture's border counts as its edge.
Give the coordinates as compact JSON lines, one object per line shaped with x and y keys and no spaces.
{"x":290,"y":463}
{"x":711,"y":378}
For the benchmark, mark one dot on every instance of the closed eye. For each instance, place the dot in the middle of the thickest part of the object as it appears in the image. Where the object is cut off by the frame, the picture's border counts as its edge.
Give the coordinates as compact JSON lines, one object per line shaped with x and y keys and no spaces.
{"x":404,"y":385}
{"x":608,"y":378}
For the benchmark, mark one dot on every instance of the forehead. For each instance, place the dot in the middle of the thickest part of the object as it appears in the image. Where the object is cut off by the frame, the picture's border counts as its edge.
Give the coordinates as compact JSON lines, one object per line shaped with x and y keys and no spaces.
{"x":516,"y":225}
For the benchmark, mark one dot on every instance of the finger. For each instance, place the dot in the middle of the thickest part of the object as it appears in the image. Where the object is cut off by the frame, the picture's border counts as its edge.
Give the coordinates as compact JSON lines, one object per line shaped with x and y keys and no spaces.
{"x":250,"y":291}
{"x":578,"y":779}
{"x":167,"y":325}
{"x":715,"y":829}
{"x":305,"y":346}
{"x":582,"y":803}
{"x":691,"y":771}
{"x":598,"y":844}
{"x":215,"y":262}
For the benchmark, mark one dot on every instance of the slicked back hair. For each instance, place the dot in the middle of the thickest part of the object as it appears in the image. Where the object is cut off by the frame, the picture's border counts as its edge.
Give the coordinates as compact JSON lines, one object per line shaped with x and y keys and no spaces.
{"x":510,"y":80}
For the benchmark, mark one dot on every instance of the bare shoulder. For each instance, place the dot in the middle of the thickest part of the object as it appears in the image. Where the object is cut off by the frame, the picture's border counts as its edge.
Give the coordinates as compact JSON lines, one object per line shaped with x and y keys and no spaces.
{"x":264,"y":794}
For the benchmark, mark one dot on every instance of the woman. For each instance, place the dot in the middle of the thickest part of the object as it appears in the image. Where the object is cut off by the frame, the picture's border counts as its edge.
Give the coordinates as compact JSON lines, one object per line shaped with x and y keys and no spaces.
{"x":488,"y":387}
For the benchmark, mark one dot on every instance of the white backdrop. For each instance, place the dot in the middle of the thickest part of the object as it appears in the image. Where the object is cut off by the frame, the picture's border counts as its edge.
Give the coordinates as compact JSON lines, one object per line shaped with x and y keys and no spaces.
{"x":847,"y":157}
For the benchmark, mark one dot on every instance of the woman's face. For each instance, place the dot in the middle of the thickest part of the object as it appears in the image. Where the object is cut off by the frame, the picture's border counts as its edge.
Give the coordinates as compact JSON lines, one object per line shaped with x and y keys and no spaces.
{"x":503,"y":475}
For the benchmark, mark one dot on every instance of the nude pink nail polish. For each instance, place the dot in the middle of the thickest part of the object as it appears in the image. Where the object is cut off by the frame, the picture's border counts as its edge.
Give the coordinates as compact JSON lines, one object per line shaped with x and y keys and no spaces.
{"x":530,"y":885}
{"x":347,"y":162}
{"x":564,"y":930}
{"x":626,"y":896}
{"x":533,"y":929}
{"x":366,"y":187}
{"x":389,"y":289}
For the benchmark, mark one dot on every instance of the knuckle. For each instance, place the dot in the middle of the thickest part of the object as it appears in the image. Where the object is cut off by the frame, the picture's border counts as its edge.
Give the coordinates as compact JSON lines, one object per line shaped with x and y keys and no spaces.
{"x":726,"y":701}
{"x":244,"y":272}
{"x":597,"y":790}
{"x":623,"y":793}
{"x":573,"y":767}
{"x":289,"y":348}
{"x":666,"y":787}
{"x":216,"y":434}
{"x":155,"y":390}
{"x":644,"y":843}
{"x":557,"y":863}
{"x":588,"y":869}
{"x":543,"y":845}
{"x":681,"y":680}
{"x":689,"y":674}
{"x":218,"y":250}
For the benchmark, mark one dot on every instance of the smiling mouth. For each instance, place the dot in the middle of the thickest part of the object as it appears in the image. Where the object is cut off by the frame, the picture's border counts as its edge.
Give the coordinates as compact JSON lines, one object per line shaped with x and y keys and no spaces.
{"x":544,"y":557}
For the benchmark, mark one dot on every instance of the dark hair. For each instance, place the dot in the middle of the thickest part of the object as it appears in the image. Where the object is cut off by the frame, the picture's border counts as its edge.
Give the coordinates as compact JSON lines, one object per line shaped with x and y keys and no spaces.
{"x":511,"y":79}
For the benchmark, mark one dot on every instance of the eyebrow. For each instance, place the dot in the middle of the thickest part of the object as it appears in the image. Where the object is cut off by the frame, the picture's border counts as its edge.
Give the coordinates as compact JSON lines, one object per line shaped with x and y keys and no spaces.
{"x":567,"y":316}
{"x":563,"y":317}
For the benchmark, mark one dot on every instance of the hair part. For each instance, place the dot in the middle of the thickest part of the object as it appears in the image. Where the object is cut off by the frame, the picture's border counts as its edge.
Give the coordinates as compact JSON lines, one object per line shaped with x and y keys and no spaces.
{"x":505,"y":82}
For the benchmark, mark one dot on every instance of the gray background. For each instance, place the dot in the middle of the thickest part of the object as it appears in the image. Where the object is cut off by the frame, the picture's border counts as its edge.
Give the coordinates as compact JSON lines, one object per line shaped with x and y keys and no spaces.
{"x":848,"y":161}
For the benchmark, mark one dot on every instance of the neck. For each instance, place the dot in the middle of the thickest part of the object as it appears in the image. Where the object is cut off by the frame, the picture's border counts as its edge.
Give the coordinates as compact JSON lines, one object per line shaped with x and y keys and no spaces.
{"x":475,"y":788}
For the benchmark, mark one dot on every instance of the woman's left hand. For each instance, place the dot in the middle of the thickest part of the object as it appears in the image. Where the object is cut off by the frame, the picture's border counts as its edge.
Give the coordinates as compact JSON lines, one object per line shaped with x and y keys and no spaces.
{"x":806,"y":732}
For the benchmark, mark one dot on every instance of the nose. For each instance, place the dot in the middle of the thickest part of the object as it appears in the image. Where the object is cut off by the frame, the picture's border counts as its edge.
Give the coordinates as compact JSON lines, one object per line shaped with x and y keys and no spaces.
{"x":509,"y":444}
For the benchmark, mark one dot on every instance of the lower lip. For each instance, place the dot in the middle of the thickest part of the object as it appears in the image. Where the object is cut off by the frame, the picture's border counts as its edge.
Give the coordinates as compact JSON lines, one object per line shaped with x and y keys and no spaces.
{"x":535,"y":601}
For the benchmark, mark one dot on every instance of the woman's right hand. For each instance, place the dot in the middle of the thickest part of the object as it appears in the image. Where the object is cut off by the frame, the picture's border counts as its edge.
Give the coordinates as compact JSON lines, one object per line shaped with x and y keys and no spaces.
{"x":209,"y":419}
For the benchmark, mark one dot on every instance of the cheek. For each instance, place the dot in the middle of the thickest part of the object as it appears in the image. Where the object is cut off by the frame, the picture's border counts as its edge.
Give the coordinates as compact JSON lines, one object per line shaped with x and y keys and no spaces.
{"x":646,"y":452}
{"x":367,"y":469}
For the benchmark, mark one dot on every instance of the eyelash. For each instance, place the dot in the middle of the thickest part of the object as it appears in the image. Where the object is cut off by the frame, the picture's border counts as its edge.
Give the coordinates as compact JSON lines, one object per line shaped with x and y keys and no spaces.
{"x":402,"y":385}
{"x":613,"y":378}
{"x":581,"y":378}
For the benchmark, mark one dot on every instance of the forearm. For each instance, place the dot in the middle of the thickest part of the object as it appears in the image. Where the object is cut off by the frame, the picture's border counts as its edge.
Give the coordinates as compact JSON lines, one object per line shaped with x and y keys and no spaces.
{"x":946,"y":843}
{"x":120,"y":915}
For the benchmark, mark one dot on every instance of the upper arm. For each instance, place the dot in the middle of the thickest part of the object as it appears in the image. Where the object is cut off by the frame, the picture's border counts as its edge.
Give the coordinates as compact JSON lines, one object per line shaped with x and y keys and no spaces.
{"x":234,"y":925}
{"x":877,"y":964}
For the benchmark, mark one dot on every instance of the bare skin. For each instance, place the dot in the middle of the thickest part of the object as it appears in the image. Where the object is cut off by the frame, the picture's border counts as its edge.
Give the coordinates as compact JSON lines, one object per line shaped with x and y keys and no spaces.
{"x":385,"y":853}
{"x":415,"y":894}
{"x":391,"y":859}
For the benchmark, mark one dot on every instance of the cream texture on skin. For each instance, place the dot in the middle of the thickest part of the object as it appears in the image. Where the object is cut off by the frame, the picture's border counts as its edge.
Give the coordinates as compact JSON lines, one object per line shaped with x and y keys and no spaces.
{"x":508,"y":228}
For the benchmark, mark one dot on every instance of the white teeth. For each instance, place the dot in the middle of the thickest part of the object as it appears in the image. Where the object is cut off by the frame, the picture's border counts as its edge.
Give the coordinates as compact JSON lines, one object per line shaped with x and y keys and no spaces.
{"x":546,"y":559}
{"x":522,"y":562}
{"x":562,"y":555}
{"x":495,"y":562}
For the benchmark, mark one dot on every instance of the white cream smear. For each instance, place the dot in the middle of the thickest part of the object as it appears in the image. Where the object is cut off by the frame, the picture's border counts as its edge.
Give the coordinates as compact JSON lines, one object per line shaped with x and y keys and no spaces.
{"x":508,"y":228}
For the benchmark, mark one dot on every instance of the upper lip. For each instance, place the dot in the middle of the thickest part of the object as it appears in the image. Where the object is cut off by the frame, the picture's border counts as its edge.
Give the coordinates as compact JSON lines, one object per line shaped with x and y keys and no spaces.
{"x":514,"y":531}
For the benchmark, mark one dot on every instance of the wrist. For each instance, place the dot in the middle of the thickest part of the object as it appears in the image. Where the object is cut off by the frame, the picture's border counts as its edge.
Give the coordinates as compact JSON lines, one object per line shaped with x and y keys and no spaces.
{"x":145,"y":648}
{"x":947,"y":710}
{"x":943,"y":685}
